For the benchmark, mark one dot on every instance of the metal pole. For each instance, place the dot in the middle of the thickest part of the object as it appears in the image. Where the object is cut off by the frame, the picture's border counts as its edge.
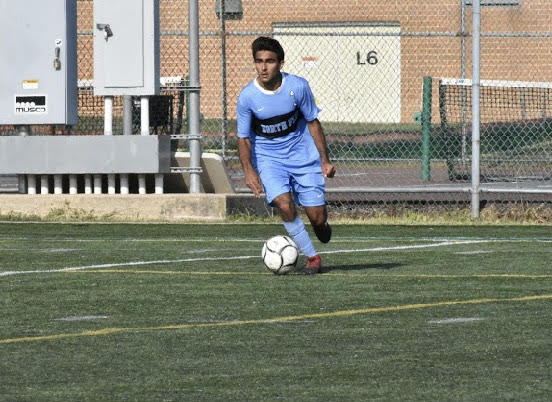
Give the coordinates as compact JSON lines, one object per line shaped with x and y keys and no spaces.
{"x":127,"y":130}
{"x":127,"y":115}
{"x":87,"y":184}
{"x":44,"y":184}
{"x":194,"y":131}
{"x":463,"y":36}
{"x":58,"y":184}
{"x":476,"y":87}
{"x":144,"y":130}
{"x":31,"y":184}
{"x":97,"y":184}
{"x":108,"y":130}
{"x":463,"y":75}
{"x":108,"y":115}
{"x":23,"y":131}
{"x":223,"y":76}
{"x":73,"y":184}
{"x":426,"y":129}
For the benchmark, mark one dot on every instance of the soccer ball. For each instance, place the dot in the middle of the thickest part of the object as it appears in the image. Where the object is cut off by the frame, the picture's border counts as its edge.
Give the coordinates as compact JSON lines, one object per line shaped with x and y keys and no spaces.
{"x":280,"y":254}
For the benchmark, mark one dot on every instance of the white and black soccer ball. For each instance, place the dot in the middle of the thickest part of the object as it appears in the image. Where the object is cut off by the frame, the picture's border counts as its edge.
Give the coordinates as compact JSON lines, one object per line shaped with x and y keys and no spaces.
{"x":280,"y":254}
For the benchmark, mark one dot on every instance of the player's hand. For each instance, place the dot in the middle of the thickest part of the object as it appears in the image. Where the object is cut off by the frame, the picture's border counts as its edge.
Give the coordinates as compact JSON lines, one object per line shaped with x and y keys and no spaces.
{"x":253,"y":181}
{"x":328,"y":170}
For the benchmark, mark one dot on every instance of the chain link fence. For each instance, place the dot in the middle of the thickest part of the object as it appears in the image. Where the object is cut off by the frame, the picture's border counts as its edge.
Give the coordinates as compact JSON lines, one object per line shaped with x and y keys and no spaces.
{"x":366,"y":62}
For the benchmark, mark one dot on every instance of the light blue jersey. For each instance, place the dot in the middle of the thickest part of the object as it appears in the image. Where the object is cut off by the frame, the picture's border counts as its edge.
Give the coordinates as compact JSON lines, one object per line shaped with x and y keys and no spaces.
{"x":282,"y":150}
{"x":290,"y":106}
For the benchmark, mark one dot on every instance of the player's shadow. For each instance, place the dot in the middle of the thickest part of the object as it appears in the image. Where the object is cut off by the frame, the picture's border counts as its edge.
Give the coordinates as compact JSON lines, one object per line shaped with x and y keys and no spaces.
{"x":359,"y":267}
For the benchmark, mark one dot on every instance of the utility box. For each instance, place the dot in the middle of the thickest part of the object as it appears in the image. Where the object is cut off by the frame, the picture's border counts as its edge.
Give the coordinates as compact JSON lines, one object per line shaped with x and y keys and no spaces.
{"x":38,"y":72}
{"x":126,"y":47}
{"x":233,"y":9}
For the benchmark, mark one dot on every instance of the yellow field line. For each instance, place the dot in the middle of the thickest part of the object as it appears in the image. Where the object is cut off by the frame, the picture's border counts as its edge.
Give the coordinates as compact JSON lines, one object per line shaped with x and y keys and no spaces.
{"x":236,"y":273}
{"x":343,"y":313}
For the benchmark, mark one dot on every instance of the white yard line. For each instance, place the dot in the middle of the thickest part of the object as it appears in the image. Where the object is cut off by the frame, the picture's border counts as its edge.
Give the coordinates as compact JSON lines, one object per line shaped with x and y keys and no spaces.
{"x":411,"y":247}
{"x":65,"y":250}
{"x":124,"y":264}
{"x":83,"y":318}
{"x":133,"y":240}
{"x":458,"y":320}
{"x":243,"y":257}
{"x":474,"y":252}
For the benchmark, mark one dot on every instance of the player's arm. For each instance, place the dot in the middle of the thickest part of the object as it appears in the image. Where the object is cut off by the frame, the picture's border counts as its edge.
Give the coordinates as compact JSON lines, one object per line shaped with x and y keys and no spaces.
{"x":244,"y":117}
{"x":252,"y":179}
{"x":315,"y":128}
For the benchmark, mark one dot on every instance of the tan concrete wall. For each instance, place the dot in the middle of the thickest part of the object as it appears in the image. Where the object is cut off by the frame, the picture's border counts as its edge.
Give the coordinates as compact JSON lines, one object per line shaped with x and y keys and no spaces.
{"x":132,"y":207}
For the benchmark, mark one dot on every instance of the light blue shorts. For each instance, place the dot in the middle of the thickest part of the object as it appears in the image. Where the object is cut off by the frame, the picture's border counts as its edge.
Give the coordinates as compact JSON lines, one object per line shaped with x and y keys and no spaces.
{"x":308,"y":189}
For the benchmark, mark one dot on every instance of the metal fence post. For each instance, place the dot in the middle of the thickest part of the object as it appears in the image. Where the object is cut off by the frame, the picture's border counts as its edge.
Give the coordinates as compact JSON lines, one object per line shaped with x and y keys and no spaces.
{"x":223,"y":74}
{"x":426,"y":130}
{"x":476,"y":87}
{"x":194,"y":128}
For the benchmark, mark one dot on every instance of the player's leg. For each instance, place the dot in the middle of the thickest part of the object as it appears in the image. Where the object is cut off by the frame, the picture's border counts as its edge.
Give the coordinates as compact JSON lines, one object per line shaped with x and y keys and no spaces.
{"x":309,"y":190}
{"x":276,"y":182}
{"x":293,"y":223}
{"x":318,"y":217}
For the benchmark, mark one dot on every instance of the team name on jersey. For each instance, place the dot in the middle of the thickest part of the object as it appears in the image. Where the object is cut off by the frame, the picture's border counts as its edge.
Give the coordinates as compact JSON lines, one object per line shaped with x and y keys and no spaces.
{"x":277,"y":126}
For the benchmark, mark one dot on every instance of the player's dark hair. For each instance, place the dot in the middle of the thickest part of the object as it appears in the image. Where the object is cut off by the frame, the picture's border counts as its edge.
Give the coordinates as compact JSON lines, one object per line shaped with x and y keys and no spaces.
{"x":270,"y":44}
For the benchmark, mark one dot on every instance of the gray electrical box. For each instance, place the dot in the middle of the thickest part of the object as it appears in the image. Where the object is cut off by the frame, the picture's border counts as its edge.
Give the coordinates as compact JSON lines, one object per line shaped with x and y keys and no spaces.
{"x":233,"y":9}
{"x":126,"y":47}
{"x":38,"y":69}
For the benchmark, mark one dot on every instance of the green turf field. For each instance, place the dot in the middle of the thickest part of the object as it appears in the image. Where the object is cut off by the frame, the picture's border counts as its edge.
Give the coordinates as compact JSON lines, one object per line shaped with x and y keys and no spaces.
{"x":122,"y":312}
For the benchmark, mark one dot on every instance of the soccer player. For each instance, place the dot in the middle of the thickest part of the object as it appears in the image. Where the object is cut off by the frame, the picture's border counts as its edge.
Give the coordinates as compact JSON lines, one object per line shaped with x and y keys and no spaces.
{"x":282,"y":147}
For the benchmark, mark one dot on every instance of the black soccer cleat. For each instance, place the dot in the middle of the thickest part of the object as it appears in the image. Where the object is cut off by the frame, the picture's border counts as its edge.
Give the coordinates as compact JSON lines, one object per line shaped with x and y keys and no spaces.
{"x":324,"y":233}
